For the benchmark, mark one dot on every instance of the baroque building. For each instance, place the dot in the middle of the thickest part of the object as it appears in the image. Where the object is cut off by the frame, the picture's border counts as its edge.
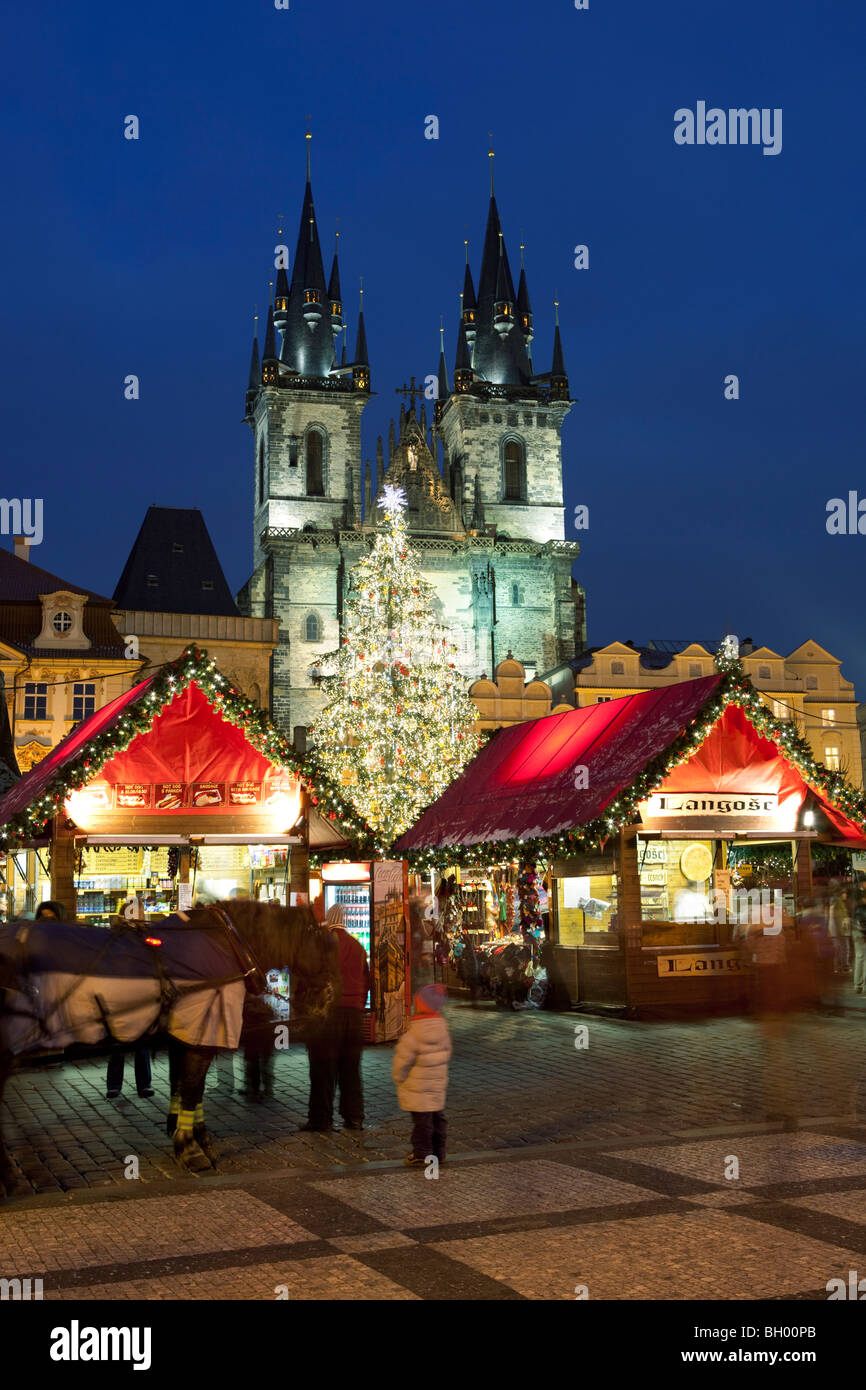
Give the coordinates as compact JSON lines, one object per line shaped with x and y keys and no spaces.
{"x":483,"y":476}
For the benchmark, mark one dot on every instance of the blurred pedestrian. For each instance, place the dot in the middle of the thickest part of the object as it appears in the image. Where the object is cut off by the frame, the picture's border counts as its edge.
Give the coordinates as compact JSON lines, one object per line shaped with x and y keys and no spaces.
{"x":258,"y":1042}
{"x":50,"y":911}
{"x":420,"y":1072}
{"x":114,"y":1074}
{"x":334,"y":1050}
{"x":857,"y":913}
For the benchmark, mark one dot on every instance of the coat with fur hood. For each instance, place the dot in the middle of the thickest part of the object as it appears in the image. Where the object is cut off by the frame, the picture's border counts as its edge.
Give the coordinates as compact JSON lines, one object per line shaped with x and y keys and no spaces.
{"x":420,"y":1065}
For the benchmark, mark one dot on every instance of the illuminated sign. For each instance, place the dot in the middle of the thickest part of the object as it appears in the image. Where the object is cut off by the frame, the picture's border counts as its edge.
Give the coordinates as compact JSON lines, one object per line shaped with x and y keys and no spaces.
{"x":718,"y":804}
{"x":681,"y":966}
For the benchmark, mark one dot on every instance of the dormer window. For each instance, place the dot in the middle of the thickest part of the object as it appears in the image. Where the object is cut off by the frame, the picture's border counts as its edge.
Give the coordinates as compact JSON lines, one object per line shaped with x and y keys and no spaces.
{"x":207,"y":584}
{"x":763,"y":673}
{"x":62,"y":622}
{"x":152,"y":581}
{"x":695,"y":671}
{"x":176,"y":548}
{"x":617,"y":668}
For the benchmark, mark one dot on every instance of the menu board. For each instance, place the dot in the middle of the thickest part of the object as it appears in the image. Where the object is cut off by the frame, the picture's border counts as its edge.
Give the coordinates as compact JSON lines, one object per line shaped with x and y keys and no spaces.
{"x":170,"y":796}
{"x":245,"y":793}
{"x":207,"y":795}
{"x":133,"y":796}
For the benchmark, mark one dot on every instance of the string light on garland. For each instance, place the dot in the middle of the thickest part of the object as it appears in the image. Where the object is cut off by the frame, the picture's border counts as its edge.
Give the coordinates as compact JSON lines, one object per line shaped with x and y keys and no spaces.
{"x":193,"y":666}
{"x":734,"y":688}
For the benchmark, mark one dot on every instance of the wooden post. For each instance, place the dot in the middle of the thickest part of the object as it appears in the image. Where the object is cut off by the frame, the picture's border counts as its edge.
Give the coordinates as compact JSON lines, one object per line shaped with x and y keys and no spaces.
{"x":300,"y":854}
{"x":628,"y":896}
{"x":803,"y":875}
{"x":63,"y":866}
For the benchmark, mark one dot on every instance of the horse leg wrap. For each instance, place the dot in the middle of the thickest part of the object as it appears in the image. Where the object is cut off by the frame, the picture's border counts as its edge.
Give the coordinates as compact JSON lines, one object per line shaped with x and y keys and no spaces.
{"x":185,"y":1121}
{"x":171,"y":1117}
{"x":203,"y":1137}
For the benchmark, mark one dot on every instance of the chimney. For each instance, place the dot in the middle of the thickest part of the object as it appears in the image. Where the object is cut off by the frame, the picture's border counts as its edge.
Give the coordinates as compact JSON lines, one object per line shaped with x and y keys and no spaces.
{"x":22,"y":547}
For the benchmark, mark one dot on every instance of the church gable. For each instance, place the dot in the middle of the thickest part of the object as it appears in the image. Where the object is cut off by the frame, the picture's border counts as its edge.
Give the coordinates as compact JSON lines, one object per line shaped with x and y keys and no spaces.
{"x":413,"y":467}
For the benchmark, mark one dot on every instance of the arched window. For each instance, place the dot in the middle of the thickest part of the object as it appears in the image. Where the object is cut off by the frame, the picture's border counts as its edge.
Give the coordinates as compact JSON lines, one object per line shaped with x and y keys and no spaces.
{"x":315,"y":464}
{"x":514,"y":471}
{"x":313,"y":629}
{"x":261,"y":470}
{"x":516,"y":595}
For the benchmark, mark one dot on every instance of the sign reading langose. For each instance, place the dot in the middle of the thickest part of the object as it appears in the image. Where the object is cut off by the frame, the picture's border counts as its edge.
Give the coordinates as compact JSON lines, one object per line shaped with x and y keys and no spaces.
{"x":719,"y":804}
{"x":723,"y":964}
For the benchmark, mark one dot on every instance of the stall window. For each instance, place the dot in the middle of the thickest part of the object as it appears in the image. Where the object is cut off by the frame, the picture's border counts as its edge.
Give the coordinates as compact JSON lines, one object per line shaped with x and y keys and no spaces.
{"x":36,"y":700}
{"x":83,"y":700}
{"x":586,"y":910}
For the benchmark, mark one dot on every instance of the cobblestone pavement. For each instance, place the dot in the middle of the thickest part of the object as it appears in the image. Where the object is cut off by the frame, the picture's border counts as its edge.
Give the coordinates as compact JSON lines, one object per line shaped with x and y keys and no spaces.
{"x":610,"y":1166}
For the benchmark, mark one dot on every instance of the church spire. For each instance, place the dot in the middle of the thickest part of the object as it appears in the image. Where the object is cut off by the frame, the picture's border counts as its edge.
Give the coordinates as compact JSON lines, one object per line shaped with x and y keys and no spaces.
{"x":524,"y":309}
{"x":269,"y":352}
{"x":334,"y":294}
{"x":254,"y":380}
{"x":361,"y":365}
{"x":558,"y":378}
{"x":308,"y":343}
{"x":469,"y":302}
{"x":498,"y":354}
{"x":442,"y":388}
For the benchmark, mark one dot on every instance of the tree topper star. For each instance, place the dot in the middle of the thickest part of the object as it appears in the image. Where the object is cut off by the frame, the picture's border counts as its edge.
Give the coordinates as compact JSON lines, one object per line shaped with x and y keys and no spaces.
{"x":393,"y":500}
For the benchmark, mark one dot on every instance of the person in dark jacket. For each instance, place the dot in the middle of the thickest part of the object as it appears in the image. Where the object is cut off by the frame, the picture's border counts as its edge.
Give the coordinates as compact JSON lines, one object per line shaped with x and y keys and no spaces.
{"x":50,"y":911}
{"x":335,"y":1051}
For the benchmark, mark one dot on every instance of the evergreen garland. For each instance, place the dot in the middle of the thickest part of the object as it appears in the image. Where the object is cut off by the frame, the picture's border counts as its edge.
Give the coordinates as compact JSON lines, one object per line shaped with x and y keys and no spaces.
{"x":137,"y":717}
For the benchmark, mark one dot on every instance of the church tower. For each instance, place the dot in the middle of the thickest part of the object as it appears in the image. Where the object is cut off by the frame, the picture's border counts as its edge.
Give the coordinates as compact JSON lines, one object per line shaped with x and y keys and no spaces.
{"x":304,"y":409}
{"x":502,"y":419}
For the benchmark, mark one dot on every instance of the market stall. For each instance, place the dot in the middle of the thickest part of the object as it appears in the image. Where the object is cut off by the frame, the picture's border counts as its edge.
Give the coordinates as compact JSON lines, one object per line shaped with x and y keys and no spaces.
{"x":178,"y":790}
{"x":651,"y":814}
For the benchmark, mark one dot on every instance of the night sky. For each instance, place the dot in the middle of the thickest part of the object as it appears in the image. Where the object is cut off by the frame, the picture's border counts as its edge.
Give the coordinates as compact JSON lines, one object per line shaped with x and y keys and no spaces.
{"x":706,"y":515}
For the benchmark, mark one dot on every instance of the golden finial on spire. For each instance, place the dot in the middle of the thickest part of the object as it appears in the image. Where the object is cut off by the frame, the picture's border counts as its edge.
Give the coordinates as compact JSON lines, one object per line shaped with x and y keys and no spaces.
{"x":308,"y":137}
{"x":490,"y":153}
{"x":522,"y":249}
{"x":271,"y":288}
{"x":556,"y":311}
{"x":362,"y":294}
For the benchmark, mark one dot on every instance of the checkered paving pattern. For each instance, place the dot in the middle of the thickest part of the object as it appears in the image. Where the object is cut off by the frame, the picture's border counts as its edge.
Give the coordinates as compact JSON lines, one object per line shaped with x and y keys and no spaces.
{"x":623,"y":1222}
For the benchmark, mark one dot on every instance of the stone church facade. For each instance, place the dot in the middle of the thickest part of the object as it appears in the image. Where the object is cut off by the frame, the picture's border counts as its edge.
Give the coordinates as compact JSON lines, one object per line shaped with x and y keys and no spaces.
{"x":483,"y":478}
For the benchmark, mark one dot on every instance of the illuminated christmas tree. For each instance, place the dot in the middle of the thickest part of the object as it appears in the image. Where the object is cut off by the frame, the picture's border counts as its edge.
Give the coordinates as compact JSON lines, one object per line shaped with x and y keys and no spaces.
{"x":397,"y":726}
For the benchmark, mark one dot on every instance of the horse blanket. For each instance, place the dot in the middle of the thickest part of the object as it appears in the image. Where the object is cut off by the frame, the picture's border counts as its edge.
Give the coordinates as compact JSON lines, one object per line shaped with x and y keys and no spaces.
{"x":69,"y":984}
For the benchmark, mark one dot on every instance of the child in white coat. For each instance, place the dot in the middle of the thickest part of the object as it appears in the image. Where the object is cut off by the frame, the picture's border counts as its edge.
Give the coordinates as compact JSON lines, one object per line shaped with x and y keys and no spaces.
{"x":420,"y":1071}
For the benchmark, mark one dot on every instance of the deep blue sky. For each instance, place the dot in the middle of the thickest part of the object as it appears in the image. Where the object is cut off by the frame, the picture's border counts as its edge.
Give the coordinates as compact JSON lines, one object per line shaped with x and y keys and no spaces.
{"x":706,"y":515}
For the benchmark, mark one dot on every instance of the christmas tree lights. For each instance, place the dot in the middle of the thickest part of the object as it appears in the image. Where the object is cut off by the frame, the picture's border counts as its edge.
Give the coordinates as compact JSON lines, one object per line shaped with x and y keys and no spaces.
{"x":397,"y":725}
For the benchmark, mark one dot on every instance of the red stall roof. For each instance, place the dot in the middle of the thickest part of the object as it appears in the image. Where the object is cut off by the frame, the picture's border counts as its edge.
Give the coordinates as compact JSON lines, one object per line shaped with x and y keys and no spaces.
{"x":557,"y":774}
{"x":176,"y":731}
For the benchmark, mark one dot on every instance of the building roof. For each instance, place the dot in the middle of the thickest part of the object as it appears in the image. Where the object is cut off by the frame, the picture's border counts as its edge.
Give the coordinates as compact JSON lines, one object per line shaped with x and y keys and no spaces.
{"x":174,"y":548}
{"x":21,"y":582}
{"x":523,"y":785}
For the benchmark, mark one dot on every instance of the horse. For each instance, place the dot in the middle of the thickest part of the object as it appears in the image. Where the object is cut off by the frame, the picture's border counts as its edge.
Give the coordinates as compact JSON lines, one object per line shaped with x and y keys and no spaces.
{"x":64,"y":985}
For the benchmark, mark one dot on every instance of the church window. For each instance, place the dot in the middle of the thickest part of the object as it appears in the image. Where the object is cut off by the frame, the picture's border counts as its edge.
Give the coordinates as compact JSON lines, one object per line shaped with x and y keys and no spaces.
{"x":176,"y":548}
{"x":315,"y":464}
{"x":35,"y":700}
{"x":517,"y":596}
{"x":313,"y":628}
{"x":484,"y":418}
{"x":261,"y":470}
{"x":514,"y":471}
{"x":152,"y":581}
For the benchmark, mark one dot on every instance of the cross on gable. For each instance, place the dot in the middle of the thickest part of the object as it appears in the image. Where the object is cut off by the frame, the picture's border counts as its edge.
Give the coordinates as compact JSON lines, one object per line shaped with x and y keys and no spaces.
{"x":411,"y":391}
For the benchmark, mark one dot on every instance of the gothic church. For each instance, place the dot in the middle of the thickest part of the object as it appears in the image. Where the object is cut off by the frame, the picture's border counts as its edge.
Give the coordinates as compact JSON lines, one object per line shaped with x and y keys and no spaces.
{"x":488,"y":518}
